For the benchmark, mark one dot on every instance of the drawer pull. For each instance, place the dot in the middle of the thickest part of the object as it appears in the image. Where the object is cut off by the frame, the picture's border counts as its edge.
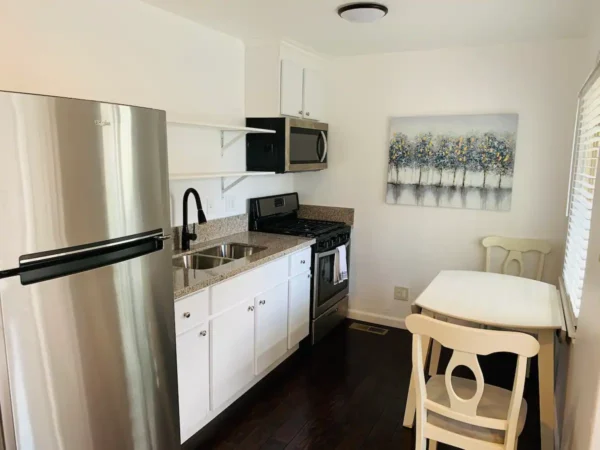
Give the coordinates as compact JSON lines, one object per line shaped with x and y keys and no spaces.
{"x":203,"y":333}
{"x":262,"y":302}
{"x":250,"y":308}
{"x":186,"y":315}
{"x":303,"y":262}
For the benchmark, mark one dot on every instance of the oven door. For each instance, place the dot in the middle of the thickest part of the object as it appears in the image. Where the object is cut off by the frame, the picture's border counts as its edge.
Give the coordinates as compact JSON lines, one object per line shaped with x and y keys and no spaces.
{"x":325,"y":292}
{"x":306,"y":145}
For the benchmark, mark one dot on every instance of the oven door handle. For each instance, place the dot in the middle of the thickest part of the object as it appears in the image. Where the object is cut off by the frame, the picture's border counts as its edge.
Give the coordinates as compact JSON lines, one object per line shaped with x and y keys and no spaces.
{"x":330,"y":252}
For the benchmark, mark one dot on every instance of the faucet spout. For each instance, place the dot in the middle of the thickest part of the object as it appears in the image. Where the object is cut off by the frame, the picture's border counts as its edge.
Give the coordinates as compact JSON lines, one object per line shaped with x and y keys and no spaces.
{"x":186,"y":236}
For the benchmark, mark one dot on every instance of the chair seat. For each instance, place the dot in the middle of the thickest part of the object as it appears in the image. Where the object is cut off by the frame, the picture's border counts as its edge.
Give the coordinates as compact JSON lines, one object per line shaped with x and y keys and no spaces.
{"x":494,"y":404}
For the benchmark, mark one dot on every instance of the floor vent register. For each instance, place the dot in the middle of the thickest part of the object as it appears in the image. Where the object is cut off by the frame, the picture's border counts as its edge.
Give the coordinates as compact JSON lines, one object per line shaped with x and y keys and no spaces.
{"x":368,"y":329}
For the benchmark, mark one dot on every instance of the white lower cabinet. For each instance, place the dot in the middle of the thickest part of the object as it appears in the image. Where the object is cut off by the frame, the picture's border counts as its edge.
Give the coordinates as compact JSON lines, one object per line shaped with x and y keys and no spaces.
{"x":299,"y":308}
{"x":192,"y":376}
{"x":232,"y":352}
{"x":254,"y":320}
{"x":271,"y":326}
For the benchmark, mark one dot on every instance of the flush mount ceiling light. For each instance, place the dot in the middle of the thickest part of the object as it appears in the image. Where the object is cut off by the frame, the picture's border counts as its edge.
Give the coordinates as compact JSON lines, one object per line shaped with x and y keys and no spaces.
{"x":362,"y":12}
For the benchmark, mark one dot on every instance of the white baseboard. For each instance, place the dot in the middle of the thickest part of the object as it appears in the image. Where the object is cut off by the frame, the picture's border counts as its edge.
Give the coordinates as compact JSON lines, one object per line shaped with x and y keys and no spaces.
{"x":379,"y":319}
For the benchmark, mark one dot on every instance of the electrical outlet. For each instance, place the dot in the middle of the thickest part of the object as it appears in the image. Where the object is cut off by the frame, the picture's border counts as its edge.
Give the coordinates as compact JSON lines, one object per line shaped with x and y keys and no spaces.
{"x":210,"y":204}
{"x":401,"y":293}
{"x":229,"y":203}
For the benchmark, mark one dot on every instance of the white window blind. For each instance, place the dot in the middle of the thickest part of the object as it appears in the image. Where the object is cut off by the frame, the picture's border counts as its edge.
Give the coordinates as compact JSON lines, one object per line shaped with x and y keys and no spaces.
{"x":586,"y":151}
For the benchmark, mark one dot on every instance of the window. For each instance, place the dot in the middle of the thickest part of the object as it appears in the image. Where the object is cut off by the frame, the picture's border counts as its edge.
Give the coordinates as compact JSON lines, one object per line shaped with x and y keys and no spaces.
{"x":584,"y":164}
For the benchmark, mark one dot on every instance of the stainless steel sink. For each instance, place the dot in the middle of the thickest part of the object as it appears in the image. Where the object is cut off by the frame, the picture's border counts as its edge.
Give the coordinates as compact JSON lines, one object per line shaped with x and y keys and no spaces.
{"x":199,"y":262}
{"x":231,"y":251}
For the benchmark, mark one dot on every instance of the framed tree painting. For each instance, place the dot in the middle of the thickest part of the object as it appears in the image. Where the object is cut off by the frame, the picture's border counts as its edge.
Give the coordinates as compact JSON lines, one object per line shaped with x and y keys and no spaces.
{"x":464,"y":161}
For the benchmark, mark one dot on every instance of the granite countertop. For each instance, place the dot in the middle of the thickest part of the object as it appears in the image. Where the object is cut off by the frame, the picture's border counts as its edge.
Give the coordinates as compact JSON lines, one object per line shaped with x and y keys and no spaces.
{"x":188,"y":281}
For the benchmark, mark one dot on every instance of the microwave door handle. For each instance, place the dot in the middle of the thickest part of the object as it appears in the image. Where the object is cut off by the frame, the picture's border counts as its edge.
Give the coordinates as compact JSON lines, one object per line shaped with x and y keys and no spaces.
{"x":324,"y":146}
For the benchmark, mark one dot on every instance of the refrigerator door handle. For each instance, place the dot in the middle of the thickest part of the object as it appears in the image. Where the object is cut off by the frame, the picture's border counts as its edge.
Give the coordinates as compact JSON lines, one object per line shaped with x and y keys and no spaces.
{"x":45,"y":266}
{"x":49,"y":256}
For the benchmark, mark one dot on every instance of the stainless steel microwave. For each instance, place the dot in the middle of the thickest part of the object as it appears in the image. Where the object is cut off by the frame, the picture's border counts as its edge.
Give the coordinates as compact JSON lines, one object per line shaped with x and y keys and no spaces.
{"x":297,"y":145}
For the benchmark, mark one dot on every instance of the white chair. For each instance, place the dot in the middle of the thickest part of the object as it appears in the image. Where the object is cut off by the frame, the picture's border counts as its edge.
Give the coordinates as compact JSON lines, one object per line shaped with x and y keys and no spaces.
{"x":515,"y":248}
{"x":468,"y":414}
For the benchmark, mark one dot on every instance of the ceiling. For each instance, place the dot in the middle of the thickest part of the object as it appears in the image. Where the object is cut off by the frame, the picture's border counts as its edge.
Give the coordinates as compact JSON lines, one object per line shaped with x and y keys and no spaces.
{"x":410,"y":24}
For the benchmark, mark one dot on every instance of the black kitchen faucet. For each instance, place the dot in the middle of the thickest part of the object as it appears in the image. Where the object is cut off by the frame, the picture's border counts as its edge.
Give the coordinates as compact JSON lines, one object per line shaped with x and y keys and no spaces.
{"x":186,"y":236}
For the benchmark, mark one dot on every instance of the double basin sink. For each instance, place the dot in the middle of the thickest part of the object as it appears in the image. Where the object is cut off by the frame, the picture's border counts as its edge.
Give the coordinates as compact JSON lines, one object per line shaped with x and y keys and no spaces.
{"x":216,"y":256}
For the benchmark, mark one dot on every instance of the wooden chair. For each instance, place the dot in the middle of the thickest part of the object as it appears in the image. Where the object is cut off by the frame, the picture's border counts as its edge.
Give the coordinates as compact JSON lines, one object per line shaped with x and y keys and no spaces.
{"x":468,"y":414}
{"x":515,"y":248}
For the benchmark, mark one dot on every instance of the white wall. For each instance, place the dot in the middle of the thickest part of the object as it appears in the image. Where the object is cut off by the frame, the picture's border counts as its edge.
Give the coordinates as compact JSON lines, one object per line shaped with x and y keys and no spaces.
{"x":581,"y":427}
{"x":407,"y":246}
{"x":126,"y":51}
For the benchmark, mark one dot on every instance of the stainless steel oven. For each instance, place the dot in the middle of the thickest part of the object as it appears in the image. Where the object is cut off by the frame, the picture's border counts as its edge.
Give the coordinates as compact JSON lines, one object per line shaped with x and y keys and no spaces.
{"x":325,"y":292}
{"x":297,"y":145}
{"x":329,"y":300}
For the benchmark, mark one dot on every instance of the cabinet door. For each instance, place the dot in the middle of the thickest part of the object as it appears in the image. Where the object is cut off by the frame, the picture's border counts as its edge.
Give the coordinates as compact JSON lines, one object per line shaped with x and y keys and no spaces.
{"x":291,"y":89}
{"x":192,"y":376}
{"x":232,"y":352}
{"x":271,"y":326}
{"x":313,"y":95}
{"x":299,"y":309}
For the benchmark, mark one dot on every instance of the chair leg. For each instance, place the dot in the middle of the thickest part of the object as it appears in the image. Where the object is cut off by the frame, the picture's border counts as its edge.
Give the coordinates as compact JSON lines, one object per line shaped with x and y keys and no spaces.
{"x":432,"y":445}
{"x":527,"y":373}
{"x":434,"y":360}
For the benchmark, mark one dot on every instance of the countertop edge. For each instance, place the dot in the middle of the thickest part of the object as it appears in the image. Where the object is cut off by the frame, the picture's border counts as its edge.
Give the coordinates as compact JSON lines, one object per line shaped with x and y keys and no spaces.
{"x":180,"y":294}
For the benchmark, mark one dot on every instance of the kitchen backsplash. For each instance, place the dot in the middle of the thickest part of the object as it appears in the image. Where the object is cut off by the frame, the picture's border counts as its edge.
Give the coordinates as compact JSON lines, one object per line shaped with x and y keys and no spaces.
{"x":218,"y":228}
{"x":332,"y":213}
{"x":213,"y":229}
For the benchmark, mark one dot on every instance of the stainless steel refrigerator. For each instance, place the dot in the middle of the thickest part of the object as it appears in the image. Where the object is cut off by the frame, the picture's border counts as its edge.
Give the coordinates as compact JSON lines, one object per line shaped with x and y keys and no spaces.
{"x":87,"y":345}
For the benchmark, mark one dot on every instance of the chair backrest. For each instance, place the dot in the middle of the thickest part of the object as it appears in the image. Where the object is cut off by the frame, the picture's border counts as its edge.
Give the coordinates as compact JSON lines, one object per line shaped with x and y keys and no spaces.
{"x":467,"y":343}
{"x":515,"y":248}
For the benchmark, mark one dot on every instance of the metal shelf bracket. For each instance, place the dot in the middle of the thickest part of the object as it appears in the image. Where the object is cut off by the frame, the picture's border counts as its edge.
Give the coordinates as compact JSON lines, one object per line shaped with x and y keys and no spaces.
{"x":226,"y":144}
{"x":225,"y":189}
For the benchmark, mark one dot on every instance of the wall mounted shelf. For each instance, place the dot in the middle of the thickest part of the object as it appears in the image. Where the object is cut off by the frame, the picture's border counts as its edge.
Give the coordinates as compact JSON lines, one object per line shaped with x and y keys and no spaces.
{"x":240,"y":176}
{"x":239,"y":132}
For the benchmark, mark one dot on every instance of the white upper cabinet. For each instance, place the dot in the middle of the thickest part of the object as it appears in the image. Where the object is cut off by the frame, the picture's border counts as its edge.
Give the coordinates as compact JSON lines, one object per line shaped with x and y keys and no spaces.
{"x":271,"y":326}
{"x":232,"y":352}
{"x":192,"y":377}
{"x":291,"y":89}
{"x":301,"y":91}
{"x":283,"y":80}
{"x":313,"y":95}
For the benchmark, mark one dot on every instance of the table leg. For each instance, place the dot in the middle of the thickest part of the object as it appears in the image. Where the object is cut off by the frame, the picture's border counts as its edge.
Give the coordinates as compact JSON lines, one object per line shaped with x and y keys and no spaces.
{"x":411,"y":398}
{"x":546,"y":379}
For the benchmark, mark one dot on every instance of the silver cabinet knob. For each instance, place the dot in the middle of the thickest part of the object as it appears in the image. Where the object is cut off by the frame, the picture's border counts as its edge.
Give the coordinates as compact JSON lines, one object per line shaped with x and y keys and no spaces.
{"x":307,"y":114}
{"x":308,"y":276}
{"x":250,"y":308}
{"x":187,"y":315}
{"x":203,"y":333}
{"x":303,"y":262}
{"x":262,"y":302}
{"x":300,"y":112}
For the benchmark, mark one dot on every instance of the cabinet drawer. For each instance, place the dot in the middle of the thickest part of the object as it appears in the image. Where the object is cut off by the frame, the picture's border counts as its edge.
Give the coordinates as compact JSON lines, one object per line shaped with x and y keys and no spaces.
{"x":300,"y":261}
{"x":191,"y":311}
{"x":247,"y":285}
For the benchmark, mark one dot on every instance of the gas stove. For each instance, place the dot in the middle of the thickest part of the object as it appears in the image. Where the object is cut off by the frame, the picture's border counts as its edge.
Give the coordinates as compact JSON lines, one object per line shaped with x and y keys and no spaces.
{"x":279,"y":214}
{"x":329,"y":297}
{"x":301,"y":227}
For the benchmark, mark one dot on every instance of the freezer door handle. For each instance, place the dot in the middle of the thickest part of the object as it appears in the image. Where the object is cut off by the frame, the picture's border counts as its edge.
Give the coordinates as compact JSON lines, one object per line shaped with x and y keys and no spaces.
{"x":45,"y":266}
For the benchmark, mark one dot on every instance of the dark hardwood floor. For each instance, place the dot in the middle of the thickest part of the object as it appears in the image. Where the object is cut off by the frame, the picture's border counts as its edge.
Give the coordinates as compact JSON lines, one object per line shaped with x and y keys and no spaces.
{"x":348,"y":392}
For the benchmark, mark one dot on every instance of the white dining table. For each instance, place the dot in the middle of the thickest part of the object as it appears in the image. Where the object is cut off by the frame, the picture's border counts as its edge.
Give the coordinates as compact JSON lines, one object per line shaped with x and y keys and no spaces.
{"x":502,"y":301}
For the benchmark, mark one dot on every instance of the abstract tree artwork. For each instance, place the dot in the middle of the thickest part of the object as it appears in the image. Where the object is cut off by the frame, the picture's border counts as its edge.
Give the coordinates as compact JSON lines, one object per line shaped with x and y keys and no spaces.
{"x":452,"y":161}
